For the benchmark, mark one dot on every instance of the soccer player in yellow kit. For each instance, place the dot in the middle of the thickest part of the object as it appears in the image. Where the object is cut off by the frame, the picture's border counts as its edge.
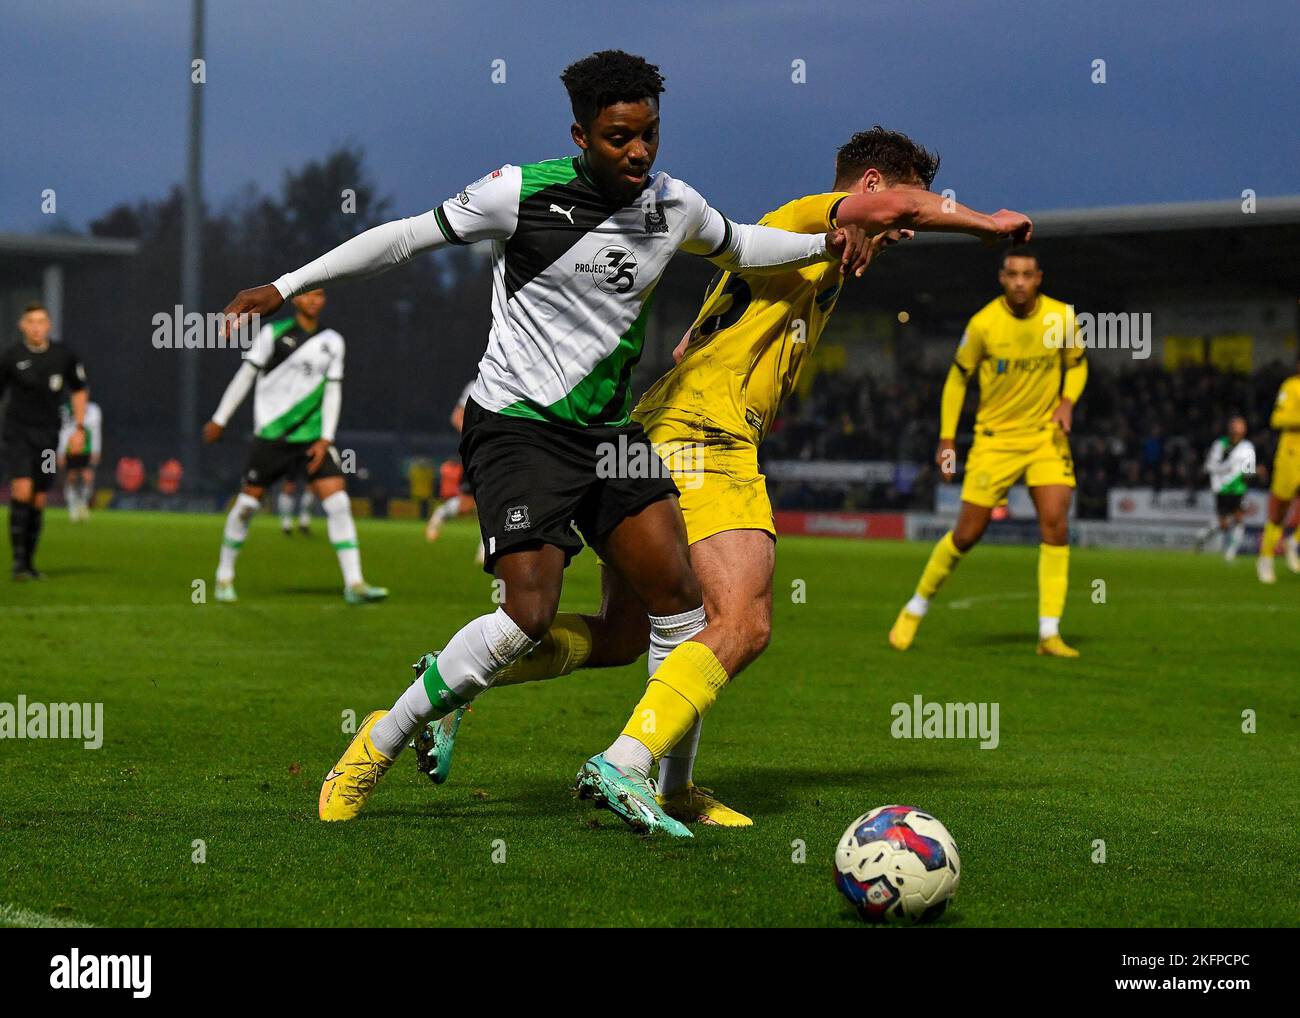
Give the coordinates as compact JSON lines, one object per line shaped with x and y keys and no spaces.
{"x":1031,"y":374}
{"x":1286,"y":478}
{"x":739,"y":360}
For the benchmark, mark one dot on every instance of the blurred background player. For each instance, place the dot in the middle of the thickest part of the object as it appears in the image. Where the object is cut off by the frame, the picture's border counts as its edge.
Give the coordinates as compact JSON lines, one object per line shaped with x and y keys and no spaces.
{"x":297,"y":368}
{"x":79,"y":468}
{"x":290,"y":489}
{"x":39,"y":376}
{"x":1230,"y":462}
{"x":1286,"y":479}
{"x":456,"y":490}
{"x":1028,"y":389}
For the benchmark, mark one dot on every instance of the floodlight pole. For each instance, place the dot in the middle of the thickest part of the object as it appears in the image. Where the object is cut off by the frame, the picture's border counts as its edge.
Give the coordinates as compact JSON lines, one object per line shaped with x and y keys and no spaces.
{"x":191,"y":251}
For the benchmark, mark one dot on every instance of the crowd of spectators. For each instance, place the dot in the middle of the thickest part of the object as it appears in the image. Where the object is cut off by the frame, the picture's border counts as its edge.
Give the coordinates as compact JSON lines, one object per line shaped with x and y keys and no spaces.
{"x":1145,"y":427}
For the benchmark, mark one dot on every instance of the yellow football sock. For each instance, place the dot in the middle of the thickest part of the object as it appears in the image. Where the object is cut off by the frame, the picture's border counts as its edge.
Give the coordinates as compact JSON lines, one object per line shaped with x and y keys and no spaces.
{"x":943,"y":560}
{"x":682,"y":690}
{"x":1053,"y":579}
{"x":1268,"y":543}
{"x":566,"y":646}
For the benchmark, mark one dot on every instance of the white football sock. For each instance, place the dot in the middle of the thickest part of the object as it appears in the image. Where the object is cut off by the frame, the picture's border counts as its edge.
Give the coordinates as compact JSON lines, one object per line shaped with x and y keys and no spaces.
{"x":1048,"y":626}
{"x":73,"y":498}
{"x":629,"y":754}
{"x":233,"y":537}
{"x":666,"y":632}
{"x":918,"y":605}
{"x":466,"y":666}
{"x":1234,"y":541}
{"x":343,"y":535}
{"x":304,"y":508}
{"x":284,"y":506}
{"x":448,"y":510}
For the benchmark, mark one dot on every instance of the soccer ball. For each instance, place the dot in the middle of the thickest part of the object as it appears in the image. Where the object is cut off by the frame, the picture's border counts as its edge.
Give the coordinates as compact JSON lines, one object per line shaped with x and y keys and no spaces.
{"x":897,"y":864}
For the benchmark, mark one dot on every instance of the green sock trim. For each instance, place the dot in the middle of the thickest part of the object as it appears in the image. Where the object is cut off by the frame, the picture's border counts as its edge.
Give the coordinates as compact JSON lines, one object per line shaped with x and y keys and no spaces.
{"x":236,"y":545}
{"x":442,"y":696}
{"x":344,"y":545}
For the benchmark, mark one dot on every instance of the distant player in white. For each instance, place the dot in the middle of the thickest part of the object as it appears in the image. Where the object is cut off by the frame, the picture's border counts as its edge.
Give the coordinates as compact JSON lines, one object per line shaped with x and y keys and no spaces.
{"x":463,"y":503}
{"x":1230,"y":464}
{"x":298,"y":370}
{"x":284,"y":502}
{"x":79,"y":468}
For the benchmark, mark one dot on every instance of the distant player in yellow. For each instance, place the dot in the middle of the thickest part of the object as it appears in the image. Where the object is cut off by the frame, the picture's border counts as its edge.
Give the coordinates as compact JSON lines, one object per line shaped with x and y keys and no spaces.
{"x":1286,"y":478}
{"x":1031,"y":374}
{"x":740,"y":358}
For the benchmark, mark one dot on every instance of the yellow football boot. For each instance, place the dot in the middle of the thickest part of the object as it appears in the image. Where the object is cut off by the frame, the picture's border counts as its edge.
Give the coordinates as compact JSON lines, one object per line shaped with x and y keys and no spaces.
{"x":349,"y":784}
{"x":1054,"y":646}
{"x":695,"y":805}
{"x":904,"y":631}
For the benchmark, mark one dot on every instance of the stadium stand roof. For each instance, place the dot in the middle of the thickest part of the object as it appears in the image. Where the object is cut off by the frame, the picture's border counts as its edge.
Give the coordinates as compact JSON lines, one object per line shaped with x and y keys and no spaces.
{"x":1155,"y":218}
{"x":62,"y":245}
{"x":1103,"y":257}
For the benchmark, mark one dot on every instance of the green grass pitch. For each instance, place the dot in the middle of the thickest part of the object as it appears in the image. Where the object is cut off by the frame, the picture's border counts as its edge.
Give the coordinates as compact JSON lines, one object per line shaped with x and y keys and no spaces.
{"x":221,"y":721}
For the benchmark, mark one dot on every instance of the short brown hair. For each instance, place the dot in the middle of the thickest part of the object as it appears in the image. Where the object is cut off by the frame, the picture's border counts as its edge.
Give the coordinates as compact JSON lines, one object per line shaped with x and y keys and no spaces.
{"x":34,"y":305}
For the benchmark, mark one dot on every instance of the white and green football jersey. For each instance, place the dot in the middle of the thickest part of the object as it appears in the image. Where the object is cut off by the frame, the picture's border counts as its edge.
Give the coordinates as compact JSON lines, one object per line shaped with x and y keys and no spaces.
{"x":572,"y":280}
{"x":573,"y":274}
{"x":93,"y":423}
{"x":293,"y":366}
{"x":1230,"y":465}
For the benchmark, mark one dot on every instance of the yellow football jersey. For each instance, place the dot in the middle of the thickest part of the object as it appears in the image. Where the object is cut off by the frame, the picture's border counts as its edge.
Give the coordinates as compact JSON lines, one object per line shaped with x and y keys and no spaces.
{"x":754,"y":334}
{"x":1286,"y":414}
{"x":1019,"y":367}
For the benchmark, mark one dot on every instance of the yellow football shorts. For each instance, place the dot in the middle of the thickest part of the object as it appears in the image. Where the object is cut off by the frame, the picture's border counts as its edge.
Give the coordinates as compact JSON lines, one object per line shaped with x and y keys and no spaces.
{"x":716,"y":472}
{"x":1286,"y":472}
{"x":996,"y":462}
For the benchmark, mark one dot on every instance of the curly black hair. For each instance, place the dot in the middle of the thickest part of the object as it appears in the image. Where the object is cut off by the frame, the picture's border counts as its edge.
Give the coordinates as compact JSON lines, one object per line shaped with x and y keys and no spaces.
{"x":1021,"y":251}
{"x":608,"y":77}
{"x":895,"y":155}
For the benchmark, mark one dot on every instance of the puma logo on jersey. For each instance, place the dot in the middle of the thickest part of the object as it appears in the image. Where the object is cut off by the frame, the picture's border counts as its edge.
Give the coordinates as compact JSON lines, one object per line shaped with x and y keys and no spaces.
{"x":23,"y":365}
{"x":566,"y":213}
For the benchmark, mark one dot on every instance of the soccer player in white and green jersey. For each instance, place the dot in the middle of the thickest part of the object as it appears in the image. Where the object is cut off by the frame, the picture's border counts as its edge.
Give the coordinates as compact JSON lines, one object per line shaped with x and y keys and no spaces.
{"x":296,"y":370}
{"x":1230,"y":464}
{"x":578,"y":246}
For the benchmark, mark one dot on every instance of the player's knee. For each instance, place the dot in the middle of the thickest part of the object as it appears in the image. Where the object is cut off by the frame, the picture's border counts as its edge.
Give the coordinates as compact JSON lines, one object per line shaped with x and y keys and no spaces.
{"x":532,"y":612}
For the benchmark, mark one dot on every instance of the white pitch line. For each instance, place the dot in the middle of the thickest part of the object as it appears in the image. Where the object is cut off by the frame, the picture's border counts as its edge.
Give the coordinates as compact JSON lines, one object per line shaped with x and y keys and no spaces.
{"x":962,"y":603}
{"x":12,"y":915}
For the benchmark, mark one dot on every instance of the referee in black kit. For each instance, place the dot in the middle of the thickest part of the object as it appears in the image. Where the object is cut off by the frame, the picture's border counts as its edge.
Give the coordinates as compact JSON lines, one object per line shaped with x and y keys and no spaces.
{"x":39,"y":377}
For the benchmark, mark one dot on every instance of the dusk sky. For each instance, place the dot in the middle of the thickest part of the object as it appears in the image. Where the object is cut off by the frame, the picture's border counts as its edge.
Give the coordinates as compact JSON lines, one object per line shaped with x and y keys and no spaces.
{"x":1200,"y":101}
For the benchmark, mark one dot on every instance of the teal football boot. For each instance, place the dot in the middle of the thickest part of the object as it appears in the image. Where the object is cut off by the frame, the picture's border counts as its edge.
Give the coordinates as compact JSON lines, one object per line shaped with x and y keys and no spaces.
{"x":364,"y":594}
{"x":628,"y":795}
{"x":437,"y":739}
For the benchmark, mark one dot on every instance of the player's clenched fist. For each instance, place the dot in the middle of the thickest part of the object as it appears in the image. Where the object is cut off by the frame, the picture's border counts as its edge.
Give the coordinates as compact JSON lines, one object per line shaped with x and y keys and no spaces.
{"x":1015,"y":225}
{"x":260,"y":300}
{"x":212,"y":432}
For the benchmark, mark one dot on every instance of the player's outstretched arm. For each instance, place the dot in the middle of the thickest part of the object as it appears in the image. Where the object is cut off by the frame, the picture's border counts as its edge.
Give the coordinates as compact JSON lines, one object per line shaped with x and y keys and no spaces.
{"x":915,"y":208}
{"x":950,"y":404}
{"x":238,"y":388}
{"x":366,"y":254}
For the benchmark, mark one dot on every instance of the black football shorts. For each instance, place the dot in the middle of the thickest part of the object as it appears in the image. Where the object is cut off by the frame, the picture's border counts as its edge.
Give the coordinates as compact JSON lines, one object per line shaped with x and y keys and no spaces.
{"x":535,"y":482}
{"x":271,"y":460}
